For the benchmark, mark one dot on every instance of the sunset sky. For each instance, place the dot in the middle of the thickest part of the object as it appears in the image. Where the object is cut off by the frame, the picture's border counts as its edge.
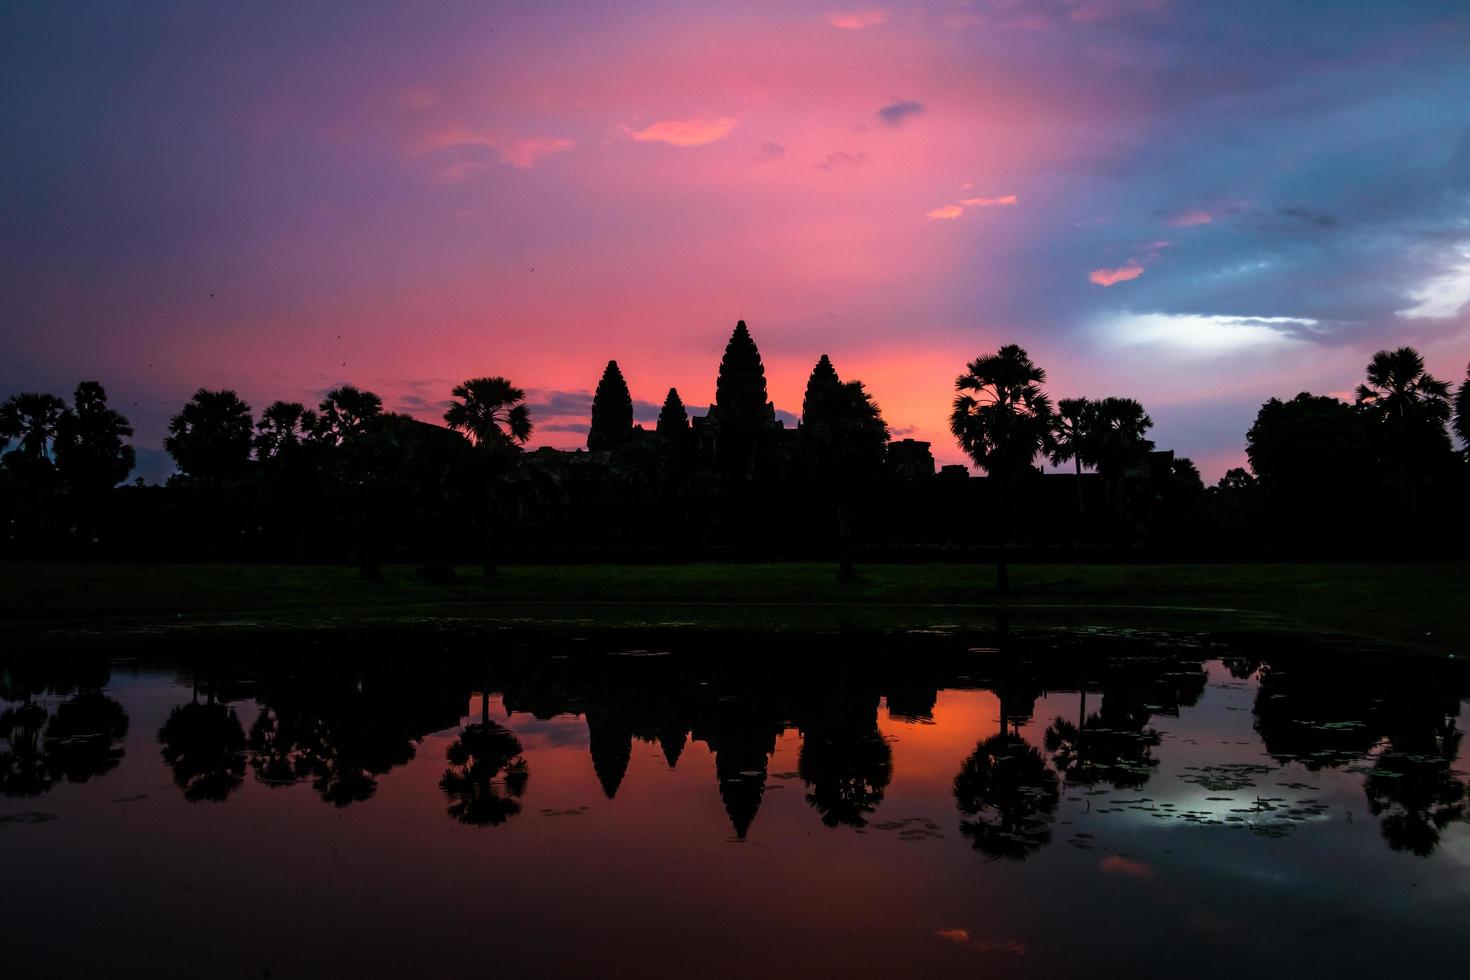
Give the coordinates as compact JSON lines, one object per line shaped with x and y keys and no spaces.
{"x":1200,"y":205}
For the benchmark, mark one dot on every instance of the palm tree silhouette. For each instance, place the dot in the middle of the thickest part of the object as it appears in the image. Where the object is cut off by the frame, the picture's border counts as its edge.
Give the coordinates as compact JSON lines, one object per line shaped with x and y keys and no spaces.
{"x":1119,"y":442}
{"x":844,"y":438}
{"x":209,"y":440}
{"x":204,"y":745}
{"x":1462,"y":411}
{"x":25,"y":766}
{"x":210,"y":437}
{"x":1002,"y":420}
{"x":493,"y":413}
{"x":1072,"y":436}
{"x":487,"y":774}
{"x":31,"y":419}
{"x":91,"y":453}
{"x":1009,"y":797}
{"x":289,"y":451}
{"x":1409,"y":408}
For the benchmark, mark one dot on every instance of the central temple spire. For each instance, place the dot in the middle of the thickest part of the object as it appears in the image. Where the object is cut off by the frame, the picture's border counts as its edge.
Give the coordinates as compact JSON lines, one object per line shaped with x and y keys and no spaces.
{"x":740,"y":391}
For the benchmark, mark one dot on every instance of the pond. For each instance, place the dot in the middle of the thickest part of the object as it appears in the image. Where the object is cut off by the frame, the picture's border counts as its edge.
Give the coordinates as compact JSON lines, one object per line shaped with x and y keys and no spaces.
{"x":438,"y":800}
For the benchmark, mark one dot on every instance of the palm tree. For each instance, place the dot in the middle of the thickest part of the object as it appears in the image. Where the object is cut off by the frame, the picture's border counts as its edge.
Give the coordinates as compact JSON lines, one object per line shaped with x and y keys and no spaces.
{"x":1002,"y":420}
{"x":493,"y":413}
{"x":1072,"y":437}
{"x":487,"y":773}
{"x":1008,"y":797}
{"x":1408,"y":408}
{"x":210,"y":437}
{"x":91,"y":453}
{"x":209,"y":440}
{"x":1119,"y":441}
{"x":844,"y":439}
{"x":346,"y":413}
{"x":1462,"y":411}
{"x":288,"y":447}
{"x":282,"y":428}
{"x":31,"y":418}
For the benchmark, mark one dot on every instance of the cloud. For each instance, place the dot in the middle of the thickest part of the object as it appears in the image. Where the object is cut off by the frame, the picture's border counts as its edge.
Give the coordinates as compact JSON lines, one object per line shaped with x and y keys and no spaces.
{"x":898,"y":113}
{"x":1003,"y":201}
{"x":952,"y":211}
{"x":525,"y":152}
{"x":520,"y":152}
{"x":1444,"y":295}
{"x":1202,"y":334}
{"x":1316,"y":218}
{"x":1190,"y":218}
{"x":842,"y":162}
{"x":1111,"y":277}
{"x":772,"y":150}
{"x":685,"y":132}
{"x":857,"y":20}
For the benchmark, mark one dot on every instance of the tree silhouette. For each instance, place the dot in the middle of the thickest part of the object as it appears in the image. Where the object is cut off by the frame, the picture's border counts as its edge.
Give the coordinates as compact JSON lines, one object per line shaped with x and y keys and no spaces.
{"x":1303,"y":451}
{"x":210,"y":438}
{"x":90,"y":452}
{"x":282,"y":429}
{"x":846,"y":764}
{"x":843,"y":442}
{"x":1009,"y":797}
{"x":362,"y":461}
{"x":31,"y":419}
{"x":288,"y":448}
{"x":1072,"y":437}
{"x":84,"y":736}
{"x":1120,"y":443}
{"x":204,"y":746}
{"x":1413,"y":790}
{"x":1002,"y":420}
{"x":25,"y":766}
{"x":1462,"y":411}
{"x":347,"y":414}
{"x":1408,"y":408}
{"x":612,"y":411}
{"x":493,"y":413}
{"x":1113,"y":746}
{"x":486,"y":775}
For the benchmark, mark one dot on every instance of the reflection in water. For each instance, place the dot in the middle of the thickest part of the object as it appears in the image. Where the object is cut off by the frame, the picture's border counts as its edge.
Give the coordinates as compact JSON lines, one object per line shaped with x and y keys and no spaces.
{"x":487,"y":774}
{"x":1114,"y":771}
{"x":44,"y":740}
{"x":1008,"y":796}
{"x":204,"y":745}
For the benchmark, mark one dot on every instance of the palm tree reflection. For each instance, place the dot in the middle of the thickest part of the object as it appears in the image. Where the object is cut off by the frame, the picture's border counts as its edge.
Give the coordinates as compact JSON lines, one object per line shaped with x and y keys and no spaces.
{"x":487,"y":773}
{"x":1009,"y":796}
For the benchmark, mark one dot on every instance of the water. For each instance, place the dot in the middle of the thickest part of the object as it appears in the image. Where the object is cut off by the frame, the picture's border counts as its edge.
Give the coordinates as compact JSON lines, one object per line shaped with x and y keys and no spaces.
{"x":435,"y":802}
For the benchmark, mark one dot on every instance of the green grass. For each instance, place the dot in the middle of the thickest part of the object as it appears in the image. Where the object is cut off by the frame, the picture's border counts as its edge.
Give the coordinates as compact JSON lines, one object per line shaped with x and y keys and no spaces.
{"x":1421,"y":605}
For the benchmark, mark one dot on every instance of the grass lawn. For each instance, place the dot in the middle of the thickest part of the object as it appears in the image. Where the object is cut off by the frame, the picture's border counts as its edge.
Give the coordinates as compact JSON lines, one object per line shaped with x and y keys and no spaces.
{"x":1421,"y":605}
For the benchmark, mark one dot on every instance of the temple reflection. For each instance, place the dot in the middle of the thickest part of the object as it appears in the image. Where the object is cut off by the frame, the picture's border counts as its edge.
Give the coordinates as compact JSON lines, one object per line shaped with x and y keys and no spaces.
{"x":1065,"y":720}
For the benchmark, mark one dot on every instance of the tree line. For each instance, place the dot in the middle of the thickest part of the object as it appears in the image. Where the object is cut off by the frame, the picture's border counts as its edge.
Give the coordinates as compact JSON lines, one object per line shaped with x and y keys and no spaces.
{"x":340,"y":723}
{"x":347,"y":479}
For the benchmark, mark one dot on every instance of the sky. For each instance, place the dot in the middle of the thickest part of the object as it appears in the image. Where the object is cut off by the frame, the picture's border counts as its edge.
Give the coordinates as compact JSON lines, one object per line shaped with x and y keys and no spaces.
{"x":1199,"y":205}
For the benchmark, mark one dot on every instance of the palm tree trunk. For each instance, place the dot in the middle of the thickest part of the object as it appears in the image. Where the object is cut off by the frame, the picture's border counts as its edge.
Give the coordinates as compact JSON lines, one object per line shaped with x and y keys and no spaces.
{"x":489,"y":532}
{"x":845,"y":570}
{"x":1002,"y":571}
{"x":1081,"y":501}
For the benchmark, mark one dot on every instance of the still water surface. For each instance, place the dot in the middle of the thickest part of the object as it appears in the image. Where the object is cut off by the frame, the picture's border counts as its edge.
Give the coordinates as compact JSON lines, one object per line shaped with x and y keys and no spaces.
{"x":436,"y":803}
